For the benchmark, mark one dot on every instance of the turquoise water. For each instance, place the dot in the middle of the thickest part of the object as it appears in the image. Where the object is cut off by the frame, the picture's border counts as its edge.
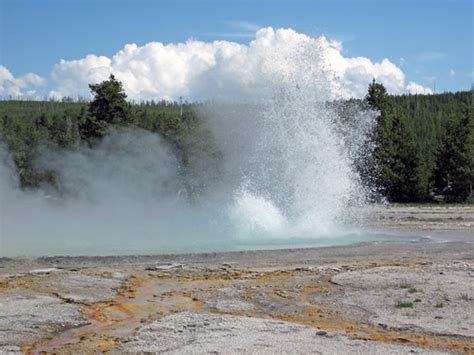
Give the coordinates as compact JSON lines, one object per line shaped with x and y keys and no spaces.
{"x":154,"y":246}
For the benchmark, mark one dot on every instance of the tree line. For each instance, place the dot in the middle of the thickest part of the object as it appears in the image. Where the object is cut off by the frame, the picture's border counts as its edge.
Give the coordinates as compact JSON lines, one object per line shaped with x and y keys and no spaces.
{"x":423,"y":144}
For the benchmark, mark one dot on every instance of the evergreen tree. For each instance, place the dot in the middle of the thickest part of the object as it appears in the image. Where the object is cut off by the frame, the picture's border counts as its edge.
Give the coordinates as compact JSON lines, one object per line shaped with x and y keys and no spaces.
{"x":406,"y":184}
{"x":454,"y":172}
{"x":379,"y":172}
{"x":109,"y":107}
{"x":394,"y":166}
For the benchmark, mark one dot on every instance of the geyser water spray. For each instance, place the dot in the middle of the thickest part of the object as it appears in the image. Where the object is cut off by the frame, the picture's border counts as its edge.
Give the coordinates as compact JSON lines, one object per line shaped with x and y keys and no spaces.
{"x":289,"y":157}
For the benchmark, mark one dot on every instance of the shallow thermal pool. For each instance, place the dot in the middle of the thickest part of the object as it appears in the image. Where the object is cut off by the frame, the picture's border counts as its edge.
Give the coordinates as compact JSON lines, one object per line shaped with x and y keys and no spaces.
{"x":84,"y":246}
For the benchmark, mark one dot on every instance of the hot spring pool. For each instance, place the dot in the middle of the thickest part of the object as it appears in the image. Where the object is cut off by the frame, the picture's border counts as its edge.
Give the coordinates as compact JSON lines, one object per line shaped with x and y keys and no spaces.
{"x":153,"y":246}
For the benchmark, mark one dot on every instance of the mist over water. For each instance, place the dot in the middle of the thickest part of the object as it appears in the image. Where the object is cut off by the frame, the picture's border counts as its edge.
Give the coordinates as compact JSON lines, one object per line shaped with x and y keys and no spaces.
{"x":285,"y":177}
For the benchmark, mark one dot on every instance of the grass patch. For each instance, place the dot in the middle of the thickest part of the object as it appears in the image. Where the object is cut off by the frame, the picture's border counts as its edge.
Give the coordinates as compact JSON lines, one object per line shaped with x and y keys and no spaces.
{"x":439,"y":305}
{"x":412,"y":290}
{"x":464,"y":297}
{"x":405,"y":285}
{"x":404,"y":304}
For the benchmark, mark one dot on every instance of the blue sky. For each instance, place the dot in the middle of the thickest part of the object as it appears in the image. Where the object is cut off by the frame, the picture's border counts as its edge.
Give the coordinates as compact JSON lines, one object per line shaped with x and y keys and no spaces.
{"x":431,"y":41}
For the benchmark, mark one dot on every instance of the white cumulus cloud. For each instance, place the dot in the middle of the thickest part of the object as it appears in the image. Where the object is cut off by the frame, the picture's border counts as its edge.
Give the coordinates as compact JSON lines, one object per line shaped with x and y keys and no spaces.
{"x":73,"y":76}
{"x":199,"y":70}
{"x":20,"y":87}
{"x":417,"y":89}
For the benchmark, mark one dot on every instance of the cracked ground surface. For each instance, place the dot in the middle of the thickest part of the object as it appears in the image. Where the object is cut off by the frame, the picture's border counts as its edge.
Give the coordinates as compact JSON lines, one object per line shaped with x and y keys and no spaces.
{"x":391,"y":297}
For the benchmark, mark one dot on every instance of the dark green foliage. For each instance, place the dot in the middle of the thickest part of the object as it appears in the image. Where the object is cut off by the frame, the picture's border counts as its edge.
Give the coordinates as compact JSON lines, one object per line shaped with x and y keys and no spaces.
{"x":28,"y":125}
{"x":407,"y":185}
{"x":379,"y":172}
{"x":410,"y":136}
{"x":454,"y":171}
{"x":109,"y":103}
{"x":109,"y":107}
{"x":430,"y":116}
{"x":395,"y":164}
{"x":377,"y":96}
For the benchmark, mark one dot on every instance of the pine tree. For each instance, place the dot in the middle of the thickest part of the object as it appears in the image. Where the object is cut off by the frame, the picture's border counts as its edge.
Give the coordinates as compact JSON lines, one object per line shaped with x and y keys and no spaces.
{"x":109,"y":107}
{"x":454,"y":172}
{"x":394,"y":166}
{"x":379,"y":172}
{"x":407,"y":184}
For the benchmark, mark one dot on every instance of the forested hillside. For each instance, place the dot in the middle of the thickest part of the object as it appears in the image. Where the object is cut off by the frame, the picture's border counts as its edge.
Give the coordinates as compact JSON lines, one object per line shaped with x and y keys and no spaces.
{"x":424,"y":145}
{"x":429,"y":117}
{"x":28,"y":126}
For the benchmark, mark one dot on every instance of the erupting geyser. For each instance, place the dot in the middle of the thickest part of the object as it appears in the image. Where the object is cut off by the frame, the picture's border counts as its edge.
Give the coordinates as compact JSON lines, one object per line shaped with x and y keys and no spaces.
{"x":289,"y":159}
{"x":286,"y":172}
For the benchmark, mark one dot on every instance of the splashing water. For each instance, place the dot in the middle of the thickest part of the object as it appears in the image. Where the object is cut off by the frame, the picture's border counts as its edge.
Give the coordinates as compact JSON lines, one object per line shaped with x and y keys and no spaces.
{"x":294,"y":165}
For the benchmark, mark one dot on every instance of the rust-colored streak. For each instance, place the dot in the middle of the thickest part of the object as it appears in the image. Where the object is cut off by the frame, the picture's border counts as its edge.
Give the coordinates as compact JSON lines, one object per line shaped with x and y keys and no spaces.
{"x":113,"y":313}
{"x":136,"y":304}
{"x":104,"y":317}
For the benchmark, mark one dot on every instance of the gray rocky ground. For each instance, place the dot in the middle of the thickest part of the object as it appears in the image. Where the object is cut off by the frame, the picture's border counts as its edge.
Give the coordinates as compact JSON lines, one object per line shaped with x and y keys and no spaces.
{"x":191,"y":333}
{"x":27,"y":316}
{"x":437,"y":299}
{"x":396,"y":296}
